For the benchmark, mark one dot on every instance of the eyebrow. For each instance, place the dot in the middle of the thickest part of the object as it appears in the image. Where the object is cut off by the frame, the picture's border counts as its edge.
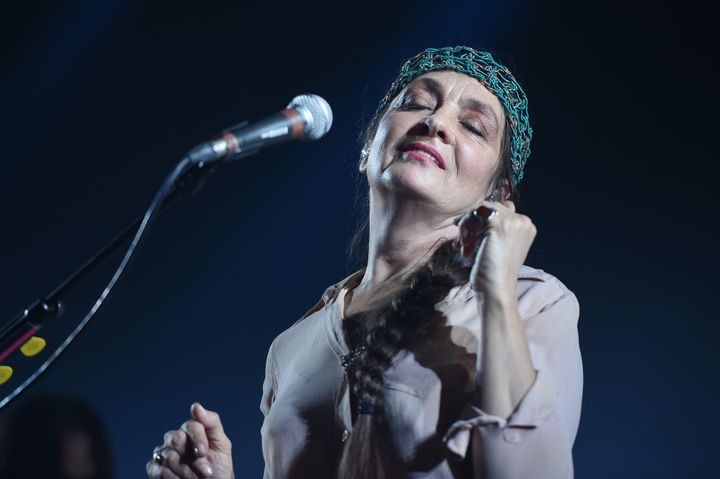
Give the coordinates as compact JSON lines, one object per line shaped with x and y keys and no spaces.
{"x":485,"y":109}
{"x":472,"y":103}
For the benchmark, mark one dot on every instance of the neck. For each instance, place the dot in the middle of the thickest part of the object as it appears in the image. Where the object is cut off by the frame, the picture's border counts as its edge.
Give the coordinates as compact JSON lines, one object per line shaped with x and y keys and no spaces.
{"x":402,"y":235}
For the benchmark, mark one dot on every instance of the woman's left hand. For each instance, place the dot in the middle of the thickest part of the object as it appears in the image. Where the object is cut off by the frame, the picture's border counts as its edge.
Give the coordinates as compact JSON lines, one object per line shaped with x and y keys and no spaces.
{"x":500,"y":242}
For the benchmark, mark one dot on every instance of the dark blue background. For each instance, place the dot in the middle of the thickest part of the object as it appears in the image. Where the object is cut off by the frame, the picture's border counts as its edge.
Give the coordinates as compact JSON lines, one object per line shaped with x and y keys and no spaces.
{"x":98,"y":99}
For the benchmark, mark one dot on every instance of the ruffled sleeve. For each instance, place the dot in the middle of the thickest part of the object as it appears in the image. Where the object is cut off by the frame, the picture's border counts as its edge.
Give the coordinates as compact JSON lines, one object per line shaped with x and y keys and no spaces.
{"x":536,"y":440}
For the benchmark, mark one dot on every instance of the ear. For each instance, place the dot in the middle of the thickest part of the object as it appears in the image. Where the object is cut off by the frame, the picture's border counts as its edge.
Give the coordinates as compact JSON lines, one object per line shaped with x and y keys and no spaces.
{"x":504,"y":189}
{"x":362,"y":166}
{"x":501,"y":192}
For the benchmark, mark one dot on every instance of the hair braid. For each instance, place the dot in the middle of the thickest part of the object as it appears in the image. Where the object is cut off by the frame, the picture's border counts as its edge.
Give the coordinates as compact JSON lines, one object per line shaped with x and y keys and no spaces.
{"x":370,"y":452}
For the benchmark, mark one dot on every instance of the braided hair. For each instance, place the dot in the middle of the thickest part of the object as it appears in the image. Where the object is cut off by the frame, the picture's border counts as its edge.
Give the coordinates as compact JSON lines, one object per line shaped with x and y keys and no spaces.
{"x":386,"y":328}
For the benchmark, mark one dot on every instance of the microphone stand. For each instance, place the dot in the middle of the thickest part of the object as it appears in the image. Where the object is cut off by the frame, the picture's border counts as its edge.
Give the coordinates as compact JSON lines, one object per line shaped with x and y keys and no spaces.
{"x":51,"y":306}
{"x":22,"y":327}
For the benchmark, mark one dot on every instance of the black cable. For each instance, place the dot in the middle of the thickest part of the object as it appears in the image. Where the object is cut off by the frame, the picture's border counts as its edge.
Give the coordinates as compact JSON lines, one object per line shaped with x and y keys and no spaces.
{"x":167,"y":187}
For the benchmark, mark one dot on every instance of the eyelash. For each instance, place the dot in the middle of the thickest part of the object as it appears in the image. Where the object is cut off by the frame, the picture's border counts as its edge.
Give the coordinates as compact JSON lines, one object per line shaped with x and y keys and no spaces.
{"x":412,"y":105}
{"x":473,"y":129}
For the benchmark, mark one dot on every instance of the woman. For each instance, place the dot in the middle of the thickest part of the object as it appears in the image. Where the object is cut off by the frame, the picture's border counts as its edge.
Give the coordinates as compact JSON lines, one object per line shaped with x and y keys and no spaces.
{"x":445,"y":357}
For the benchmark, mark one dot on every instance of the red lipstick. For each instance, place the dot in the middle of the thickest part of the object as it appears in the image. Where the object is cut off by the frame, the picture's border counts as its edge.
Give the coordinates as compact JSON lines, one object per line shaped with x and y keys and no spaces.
{"x":416,"y":145}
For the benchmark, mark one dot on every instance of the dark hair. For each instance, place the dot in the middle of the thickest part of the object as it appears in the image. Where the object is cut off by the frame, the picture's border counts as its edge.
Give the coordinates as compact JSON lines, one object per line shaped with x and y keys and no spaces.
{"x":38,"y":431}
{"x":384,"y":329}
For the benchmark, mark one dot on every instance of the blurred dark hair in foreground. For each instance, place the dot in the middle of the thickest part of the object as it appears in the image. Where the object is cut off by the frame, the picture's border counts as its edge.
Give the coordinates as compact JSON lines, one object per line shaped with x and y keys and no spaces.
{"x":54,"y":437}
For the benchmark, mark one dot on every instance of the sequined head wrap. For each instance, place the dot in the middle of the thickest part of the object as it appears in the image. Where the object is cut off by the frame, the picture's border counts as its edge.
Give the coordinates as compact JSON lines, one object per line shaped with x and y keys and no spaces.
{"x":494,"y":76}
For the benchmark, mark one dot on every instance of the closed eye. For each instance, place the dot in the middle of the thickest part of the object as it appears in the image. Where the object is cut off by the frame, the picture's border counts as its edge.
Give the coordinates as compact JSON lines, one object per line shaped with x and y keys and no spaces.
{"x":416,"y":101}
{"x":470,"y":127}
{"x":413,"y":106}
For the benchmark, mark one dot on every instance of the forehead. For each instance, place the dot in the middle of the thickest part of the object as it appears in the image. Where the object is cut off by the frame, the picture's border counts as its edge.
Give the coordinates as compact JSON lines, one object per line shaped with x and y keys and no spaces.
{"x":458,"y":87}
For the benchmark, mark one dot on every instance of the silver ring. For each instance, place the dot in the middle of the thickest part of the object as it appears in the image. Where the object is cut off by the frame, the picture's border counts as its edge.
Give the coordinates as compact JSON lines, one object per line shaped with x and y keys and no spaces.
{"x":158,"y":458}
{"x":485,"y":213}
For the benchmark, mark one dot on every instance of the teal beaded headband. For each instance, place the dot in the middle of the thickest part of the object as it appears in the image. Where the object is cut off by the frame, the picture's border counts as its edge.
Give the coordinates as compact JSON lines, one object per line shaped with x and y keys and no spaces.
{"x":494,"y":76}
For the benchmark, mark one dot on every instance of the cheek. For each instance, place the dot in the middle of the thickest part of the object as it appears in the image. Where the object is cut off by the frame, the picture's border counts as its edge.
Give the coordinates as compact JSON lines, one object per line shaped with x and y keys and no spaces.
{"x":476,"y":168}
{"x":385,"y":137}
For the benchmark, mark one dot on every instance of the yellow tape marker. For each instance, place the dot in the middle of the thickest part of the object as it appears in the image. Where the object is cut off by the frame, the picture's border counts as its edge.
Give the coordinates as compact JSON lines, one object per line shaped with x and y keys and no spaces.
{"x":33,"y":346}
{"x":5,"y":374}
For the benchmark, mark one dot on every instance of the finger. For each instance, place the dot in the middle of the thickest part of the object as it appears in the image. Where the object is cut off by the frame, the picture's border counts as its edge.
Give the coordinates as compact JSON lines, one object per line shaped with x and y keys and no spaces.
{"x":176,"y":440}
{"x":509,"y":205}
{"x":158,"y":468}
{"x":213,"y":427}
{"x":175,"y":463}
{"x":156,"y":471}
{"x":197,"y":438}
{"x":198,"y":448}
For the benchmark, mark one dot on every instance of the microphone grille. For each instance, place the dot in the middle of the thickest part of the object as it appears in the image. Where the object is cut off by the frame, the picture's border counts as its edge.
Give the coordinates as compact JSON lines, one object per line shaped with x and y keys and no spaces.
{"x":321,"y":116}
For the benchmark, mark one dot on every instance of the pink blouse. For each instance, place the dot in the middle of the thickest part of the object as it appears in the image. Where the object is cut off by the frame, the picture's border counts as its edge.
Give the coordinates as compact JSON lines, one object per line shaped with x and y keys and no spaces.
{"x":429,"y":392}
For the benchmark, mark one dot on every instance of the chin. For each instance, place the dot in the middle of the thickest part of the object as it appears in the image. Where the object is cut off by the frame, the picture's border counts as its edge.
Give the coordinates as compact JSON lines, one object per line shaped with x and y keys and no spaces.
{"x":411,"y":180}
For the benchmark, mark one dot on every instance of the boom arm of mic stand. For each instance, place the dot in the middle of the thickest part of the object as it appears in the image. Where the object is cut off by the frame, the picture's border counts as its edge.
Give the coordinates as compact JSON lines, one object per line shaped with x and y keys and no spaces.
{"x":49,"y":307}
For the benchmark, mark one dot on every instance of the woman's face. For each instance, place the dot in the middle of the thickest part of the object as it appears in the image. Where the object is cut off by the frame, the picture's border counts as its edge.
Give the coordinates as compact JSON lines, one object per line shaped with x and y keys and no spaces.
{"x":438,"y":142}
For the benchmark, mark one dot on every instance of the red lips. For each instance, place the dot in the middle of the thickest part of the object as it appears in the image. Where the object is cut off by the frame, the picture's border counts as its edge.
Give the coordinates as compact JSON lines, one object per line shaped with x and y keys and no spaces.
{"x":416,"y":145}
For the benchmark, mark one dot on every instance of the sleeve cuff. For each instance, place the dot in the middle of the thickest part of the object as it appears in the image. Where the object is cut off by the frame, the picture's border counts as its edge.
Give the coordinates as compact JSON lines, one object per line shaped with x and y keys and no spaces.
{"x":534,"y":408}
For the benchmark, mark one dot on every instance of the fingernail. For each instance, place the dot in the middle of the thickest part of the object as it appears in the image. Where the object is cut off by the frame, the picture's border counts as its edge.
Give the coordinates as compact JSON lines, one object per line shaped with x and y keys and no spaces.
{"x":206,"y":470}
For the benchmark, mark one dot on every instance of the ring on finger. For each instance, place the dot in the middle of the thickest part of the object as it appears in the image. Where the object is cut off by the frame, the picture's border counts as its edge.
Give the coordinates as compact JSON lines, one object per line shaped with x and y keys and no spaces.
{"x":158,"y":458}
{"x":485,"y":213}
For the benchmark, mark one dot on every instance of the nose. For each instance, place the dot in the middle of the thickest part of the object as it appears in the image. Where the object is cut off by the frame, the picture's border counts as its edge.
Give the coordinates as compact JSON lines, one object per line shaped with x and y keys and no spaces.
{"x":436,"y":125}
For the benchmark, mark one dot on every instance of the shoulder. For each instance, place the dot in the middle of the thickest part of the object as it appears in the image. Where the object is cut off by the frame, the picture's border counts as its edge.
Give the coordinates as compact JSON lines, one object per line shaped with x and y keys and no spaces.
{"x":537,"y":291}
{"x":542,"y":284}
{"x":532,"y":283}
{"x":544,"y":299}
{"x":301,"y":332}
{"x":309,"y":327}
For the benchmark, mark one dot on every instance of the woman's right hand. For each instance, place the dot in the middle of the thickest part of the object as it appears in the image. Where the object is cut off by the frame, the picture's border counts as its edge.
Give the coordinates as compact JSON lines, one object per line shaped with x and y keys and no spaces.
{"x":198,"y":449}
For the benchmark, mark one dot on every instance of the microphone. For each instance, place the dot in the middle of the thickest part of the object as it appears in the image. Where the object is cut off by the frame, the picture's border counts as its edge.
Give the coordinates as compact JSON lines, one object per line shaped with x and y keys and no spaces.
{"x":307,"y":117}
